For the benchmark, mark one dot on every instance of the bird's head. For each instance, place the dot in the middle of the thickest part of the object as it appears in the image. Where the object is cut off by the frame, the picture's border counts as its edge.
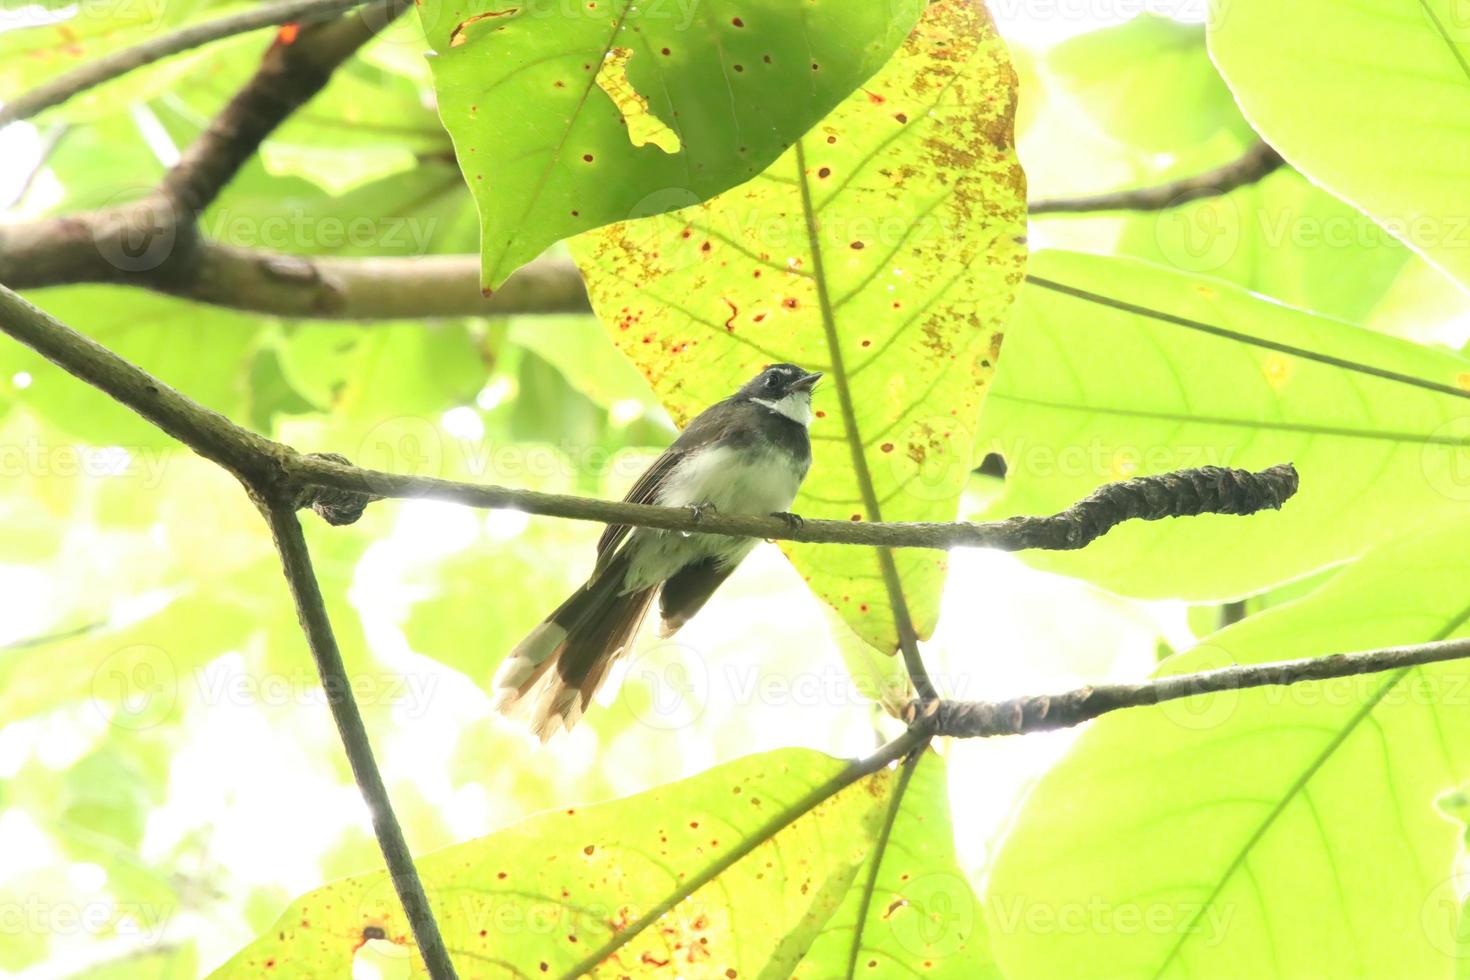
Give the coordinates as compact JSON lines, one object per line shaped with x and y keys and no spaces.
{"x":783,"y":388}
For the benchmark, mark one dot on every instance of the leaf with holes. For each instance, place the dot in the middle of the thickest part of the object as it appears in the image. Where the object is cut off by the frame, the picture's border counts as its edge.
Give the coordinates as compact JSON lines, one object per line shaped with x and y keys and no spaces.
{"x":1370,"y":99}
{"x":1287,"y":832}
{"x":729,"y":873}
{"x":567,"y":116}
{"x":884,"y":249}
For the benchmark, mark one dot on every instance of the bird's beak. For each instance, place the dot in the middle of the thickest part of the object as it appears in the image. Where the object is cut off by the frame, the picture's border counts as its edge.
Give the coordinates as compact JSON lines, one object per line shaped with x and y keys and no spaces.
{"x":807,"y":381}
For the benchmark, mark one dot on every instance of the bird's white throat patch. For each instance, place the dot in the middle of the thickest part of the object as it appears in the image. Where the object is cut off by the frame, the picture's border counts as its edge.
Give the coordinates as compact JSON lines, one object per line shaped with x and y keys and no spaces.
{"x":796,"y":406}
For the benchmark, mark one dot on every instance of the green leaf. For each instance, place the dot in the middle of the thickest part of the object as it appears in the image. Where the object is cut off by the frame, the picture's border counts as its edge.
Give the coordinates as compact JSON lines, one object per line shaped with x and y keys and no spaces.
{"x":578,"y":348}
{"x":911,"y":910}
{"x":1371,"y":101}
{"x":1091,"y":394}
{"x":1287,"y":831}
{"x":133,"y":675}
{"x":1117,"y":72}
{"x":1282,"y":236}
{"x":201,"y":350}
{"x":743,"y":863}
{"x":917,"y":203}
{"x":566,"y":118}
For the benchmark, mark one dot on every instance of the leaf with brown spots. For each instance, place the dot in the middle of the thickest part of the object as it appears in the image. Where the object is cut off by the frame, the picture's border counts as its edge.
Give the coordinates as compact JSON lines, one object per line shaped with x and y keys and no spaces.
{"x":729,"y":873}
{"x":885,"y":249}
{"x":570,"y":114}
{"x":911,"y":911}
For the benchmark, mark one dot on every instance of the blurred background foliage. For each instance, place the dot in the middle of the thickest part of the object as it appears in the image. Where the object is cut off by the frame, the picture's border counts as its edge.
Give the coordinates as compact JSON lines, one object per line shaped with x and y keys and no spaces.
{"x":159,"y":715}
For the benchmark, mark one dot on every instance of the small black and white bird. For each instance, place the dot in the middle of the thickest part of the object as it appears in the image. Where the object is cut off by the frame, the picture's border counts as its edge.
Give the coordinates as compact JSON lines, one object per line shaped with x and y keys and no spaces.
{"x":745,"y":455}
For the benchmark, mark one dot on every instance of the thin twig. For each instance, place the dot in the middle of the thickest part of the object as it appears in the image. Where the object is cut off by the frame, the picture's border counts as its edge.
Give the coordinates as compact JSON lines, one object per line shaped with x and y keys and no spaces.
{"x":207,"y":432}
{"x":119,"y":63}
{"x":1256,"y":163}
{"x":49,"y":143}
{"x":311,"y":610}
{"x":1047,"y":712}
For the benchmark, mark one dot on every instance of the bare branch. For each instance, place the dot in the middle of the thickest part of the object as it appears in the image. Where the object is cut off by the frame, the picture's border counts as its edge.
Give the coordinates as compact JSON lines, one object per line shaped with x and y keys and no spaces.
{"x":207,"y":432}
{"x":422,"y":287}
{"x":142,"y":245}
{"x":311,"y":610}
{"x":1040,"y":713}
{"x":1255,"y":164}
{"x":119,"y":63}
{"x":290,"y":73}
{"x":1185,"y":493}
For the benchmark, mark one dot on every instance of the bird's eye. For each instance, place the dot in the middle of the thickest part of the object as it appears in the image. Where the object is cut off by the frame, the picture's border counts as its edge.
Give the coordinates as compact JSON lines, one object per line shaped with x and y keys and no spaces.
{"x":771,"y":380}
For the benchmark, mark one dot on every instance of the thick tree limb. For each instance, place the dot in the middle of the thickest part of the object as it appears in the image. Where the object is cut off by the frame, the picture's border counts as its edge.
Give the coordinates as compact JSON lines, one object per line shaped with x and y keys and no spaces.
{"x":119,"y":63}
{"x":139,"y":246}
{"x":1256,"y":163}
{"x":82,"y":249}
{"x":1040,"y":713}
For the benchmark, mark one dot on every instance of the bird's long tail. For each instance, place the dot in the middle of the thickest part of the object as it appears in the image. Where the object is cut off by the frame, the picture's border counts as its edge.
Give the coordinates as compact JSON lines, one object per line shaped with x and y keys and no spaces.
{"x":550,"y":677}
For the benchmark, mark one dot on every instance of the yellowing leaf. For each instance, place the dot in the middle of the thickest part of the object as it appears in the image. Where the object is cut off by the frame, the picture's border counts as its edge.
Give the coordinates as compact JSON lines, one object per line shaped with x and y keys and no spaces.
{"x":732,"y":870}
{"x":884,"y":249}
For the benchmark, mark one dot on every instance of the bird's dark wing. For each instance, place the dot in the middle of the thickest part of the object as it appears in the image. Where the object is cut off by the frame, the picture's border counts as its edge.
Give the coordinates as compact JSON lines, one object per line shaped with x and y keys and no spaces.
{"x":705,"y":429}
{"x":688,"y":589}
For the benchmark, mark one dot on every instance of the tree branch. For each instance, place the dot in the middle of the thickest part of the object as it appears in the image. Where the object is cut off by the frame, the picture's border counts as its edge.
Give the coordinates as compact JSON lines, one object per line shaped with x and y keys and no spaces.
{"x":1185,"y":493}
{"x":1041,"y":713}
{"x":311,"y":610}
{"x":1255,"y":164}
{"x":119,"y":63}
{"x":86,"y":248}
{"x":290,"y":74}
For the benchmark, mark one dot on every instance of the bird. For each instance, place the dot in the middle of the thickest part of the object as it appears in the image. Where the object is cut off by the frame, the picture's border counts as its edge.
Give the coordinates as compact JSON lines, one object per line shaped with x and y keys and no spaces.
{"x":747,"y":454}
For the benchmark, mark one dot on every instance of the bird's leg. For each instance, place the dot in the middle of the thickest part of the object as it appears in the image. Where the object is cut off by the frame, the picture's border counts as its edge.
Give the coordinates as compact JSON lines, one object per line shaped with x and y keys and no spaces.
{"x":794,"y":522}
{"x":699,"y":511}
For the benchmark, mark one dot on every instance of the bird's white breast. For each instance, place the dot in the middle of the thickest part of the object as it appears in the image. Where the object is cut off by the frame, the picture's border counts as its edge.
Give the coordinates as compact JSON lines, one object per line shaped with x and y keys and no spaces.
{"x":732,"y":481}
